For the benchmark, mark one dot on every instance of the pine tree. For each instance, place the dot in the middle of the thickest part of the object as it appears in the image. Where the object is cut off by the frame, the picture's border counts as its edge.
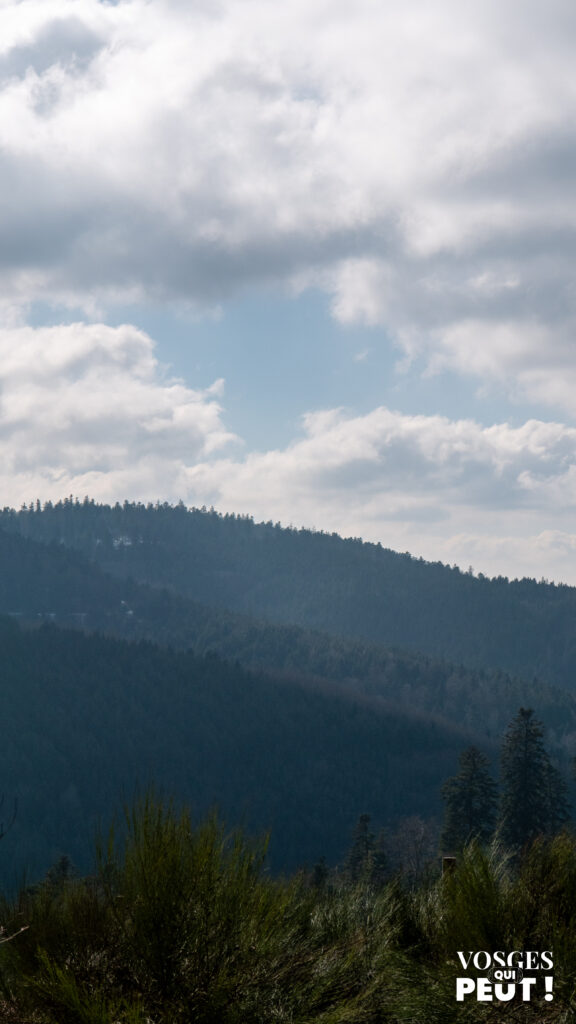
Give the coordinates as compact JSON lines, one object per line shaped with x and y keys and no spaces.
{"x":320,"y":875}
{"x":379,"y":864}
{"x":470,"y":802}
{"x":359,"y":859}
{"x":533,"y":798}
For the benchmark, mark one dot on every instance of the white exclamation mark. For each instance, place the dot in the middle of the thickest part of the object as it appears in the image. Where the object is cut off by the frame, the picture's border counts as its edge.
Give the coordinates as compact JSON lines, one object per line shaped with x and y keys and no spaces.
{"x":549,"y":982}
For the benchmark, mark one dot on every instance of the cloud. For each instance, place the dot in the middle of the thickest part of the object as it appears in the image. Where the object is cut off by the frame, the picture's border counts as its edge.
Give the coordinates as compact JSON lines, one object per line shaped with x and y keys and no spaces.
{"x":68,"y":42}
{"x":86,"y":409}
{"x":450,"y":490}
{"x":399,"y":459}
{"x":414,"y":162}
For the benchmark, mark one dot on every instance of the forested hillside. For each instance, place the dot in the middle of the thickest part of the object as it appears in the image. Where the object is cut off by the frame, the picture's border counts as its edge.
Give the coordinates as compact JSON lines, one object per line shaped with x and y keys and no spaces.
{"x":89,"y":720}
{"x":54,"y":583}
{"x":256,"y":668}
{"x":321,"y":581}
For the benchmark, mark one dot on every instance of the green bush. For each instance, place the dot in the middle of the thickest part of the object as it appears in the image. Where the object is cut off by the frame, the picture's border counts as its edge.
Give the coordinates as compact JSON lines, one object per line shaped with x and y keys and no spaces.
{"x":181,"y":924}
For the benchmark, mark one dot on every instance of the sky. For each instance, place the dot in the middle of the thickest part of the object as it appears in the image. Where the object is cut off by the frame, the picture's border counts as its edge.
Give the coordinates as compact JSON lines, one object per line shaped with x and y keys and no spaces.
{"x":313,"y":262}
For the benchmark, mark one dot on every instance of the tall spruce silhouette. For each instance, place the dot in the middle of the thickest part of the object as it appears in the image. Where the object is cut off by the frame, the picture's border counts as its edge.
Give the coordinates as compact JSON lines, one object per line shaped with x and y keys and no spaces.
{"x":471,"y":802}
{"x":359,"y":858}
{"x":533,"y":799}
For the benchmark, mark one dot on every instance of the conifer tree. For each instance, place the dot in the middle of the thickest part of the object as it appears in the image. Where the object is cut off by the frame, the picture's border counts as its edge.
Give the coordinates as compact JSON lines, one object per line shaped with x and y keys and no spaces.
{"x":320,"y":874}
{"x":359,"y":858}
{"x":379,"y":862}
{"x":470,"y":802}
{"x":533,"y":800}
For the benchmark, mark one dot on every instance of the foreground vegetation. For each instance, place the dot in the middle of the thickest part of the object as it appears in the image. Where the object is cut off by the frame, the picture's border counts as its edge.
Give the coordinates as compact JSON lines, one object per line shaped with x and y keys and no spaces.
{"x":181,"y":924}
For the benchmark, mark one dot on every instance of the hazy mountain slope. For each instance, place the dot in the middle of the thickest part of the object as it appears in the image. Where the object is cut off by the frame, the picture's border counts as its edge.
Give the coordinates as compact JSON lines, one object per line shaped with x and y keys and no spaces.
{"x":321,"y":581}
{"x":326,"y":728}
{"x":86,"y":719}
{"x":49,"y":581}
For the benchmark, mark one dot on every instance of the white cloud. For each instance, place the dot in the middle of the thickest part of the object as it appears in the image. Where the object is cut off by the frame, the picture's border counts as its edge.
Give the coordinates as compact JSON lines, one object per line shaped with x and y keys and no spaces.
{"x":447,"y":490}
{"x":416,"y":161}
{"x":86,"y":409}
{"x":413,"y":161}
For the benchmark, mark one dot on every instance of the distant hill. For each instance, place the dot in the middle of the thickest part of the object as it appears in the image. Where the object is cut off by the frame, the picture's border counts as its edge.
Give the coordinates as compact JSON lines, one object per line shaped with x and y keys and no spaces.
{"x":293,"y":678}
{"x":56,"y":584}
{"x":344,"y":587}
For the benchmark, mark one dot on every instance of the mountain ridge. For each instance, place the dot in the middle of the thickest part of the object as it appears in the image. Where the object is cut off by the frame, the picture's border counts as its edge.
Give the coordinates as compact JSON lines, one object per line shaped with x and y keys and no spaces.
{"x":283,"y":724}
{"x":321,"y":581}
